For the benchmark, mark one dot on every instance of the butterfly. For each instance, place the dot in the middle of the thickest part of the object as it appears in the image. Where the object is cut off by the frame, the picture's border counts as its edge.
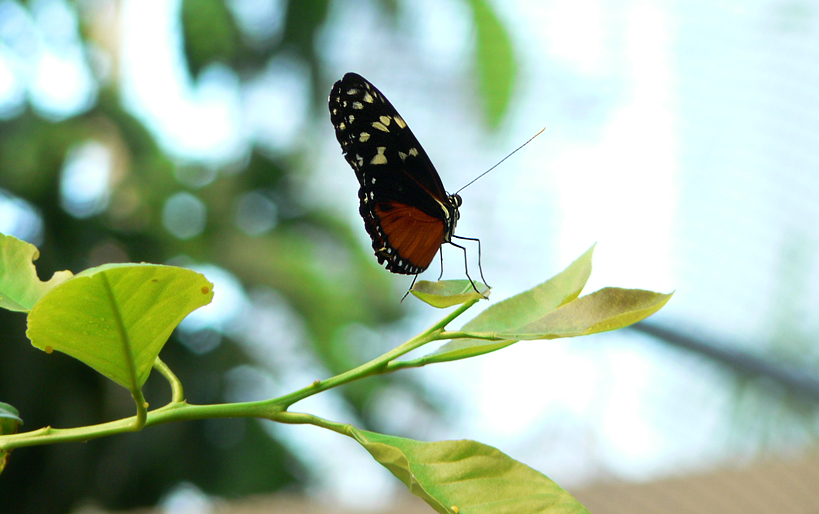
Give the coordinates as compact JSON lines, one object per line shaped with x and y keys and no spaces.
{"x":407,"y":212}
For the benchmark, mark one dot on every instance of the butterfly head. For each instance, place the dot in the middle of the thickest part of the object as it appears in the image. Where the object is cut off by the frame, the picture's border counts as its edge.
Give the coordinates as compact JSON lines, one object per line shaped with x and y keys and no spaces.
{"x":454,"y":202}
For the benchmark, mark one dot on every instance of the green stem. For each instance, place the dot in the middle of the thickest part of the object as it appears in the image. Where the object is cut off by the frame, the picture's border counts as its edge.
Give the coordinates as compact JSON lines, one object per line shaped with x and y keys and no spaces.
{"x":177,"y":392}
{"x":171,"y":412}
{"x":300,"y":418}
{"x":457,"y":334}
{"x":274,"y":409}
{"x":379,"y":364}
{"x":437,"y":358}
{"x":142,"y":411}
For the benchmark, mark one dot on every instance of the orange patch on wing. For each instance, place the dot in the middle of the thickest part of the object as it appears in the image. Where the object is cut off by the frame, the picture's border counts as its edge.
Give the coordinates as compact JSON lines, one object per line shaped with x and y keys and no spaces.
{"x":413,"y":234}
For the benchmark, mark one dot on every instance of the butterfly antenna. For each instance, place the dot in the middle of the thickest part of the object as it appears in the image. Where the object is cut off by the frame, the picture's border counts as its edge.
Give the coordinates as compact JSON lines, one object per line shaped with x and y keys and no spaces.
{"x":499,"y":162}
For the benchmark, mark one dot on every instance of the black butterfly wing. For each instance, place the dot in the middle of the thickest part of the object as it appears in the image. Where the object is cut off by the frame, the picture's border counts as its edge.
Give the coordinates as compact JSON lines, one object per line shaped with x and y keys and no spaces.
{"x":404,"y":205}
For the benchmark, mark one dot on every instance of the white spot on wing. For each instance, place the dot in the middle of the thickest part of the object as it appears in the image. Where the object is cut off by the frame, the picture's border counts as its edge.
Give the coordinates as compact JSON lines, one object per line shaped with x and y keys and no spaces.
{"x":400,"y":122}
{"x":380,"y":158}
{"x":403,"y":156}
{"x":364,"y":137}
{"x":385,"y":120}
{"x":413,"y":151}
{"x":380,"y":126}
{"x":358,"y":105}
{"x":368,"y":98}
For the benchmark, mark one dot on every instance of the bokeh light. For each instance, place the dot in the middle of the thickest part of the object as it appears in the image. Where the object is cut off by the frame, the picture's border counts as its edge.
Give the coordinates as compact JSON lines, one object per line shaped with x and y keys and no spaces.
{"x":681,"y":140}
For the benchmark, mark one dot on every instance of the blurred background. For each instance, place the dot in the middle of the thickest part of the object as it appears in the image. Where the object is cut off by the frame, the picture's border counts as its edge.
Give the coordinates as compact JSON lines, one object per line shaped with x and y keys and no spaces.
{"x":681,"y":137}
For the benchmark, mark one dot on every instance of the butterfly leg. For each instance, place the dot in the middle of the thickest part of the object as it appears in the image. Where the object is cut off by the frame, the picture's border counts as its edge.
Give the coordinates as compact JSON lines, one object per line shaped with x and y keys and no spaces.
{"x":410,"y":288}
{"x":466,"y":267}
{"x":480,"y":269}
{"x":441,"y":253}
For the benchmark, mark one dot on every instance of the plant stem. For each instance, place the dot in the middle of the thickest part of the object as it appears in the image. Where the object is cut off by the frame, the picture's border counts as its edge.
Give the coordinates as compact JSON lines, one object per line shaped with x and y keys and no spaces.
{"x":299,"y":418}
{"x":171,"y":412}
{"x":274,"y":409}
{"x":457,"y":334}
{"x":177,"y":392}
{"x":377,"y":365}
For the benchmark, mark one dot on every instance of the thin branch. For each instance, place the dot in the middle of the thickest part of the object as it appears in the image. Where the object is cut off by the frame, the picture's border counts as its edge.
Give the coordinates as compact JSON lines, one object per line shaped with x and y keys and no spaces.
{"x":177,"y":392}
{"x":802,"y":381}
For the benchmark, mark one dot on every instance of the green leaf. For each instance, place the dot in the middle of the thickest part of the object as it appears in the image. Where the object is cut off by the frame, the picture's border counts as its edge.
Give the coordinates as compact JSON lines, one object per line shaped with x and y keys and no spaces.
{"x":9,"y":420}
{"x":443,"y":294}
{"x":19,"y":286}
{"x":8,"y":412}
{"x":533,"y":304}
{"x":495,"y":61}
{"x":607,"y":309}
{"x":117,"y":317}
{"x":467,"y":477}
{"x":518,"y":311}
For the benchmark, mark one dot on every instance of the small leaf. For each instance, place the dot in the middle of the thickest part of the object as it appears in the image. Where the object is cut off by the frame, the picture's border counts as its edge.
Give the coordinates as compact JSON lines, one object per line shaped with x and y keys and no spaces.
{"x":518,"y":311}
{"x":9,"y":420}
{"x":607,"y":309}
{"x":117,"y":317}
{"x":20,"y":288}
{"x":443,"y":294}
{"x":467,"y":477}
{"x":494,"y":60}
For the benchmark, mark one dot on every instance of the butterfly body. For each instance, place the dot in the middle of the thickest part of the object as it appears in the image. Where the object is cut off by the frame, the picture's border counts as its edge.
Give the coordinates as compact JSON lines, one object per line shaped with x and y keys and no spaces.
{"x":405,"y":208}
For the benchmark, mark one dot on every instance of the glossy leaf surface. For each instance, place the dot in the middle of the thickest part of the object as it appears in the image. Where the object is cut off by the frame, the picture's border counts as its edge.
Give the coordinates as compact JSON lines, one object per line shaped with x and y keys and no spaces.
{"x":20,"y":288}
{"x":467,"y":477}
{"x":117,"y":317}
{"x":446,"y":293}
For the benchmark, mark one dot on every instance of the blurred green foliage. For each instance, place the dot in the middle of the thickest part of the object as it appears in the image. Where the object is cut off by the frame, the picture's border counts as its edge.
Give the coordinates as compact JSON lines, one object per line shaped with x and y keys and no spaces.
{"x":495,"y":61}
{"x":309,"y":257}
{"x":210,"y":34}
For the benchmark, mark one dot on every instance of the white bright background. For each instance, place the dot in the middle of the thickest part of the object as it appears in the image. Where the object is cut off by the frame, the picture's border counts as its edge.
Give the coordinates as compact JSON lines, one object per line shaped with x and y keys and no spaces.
{"x":681,"y":137}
